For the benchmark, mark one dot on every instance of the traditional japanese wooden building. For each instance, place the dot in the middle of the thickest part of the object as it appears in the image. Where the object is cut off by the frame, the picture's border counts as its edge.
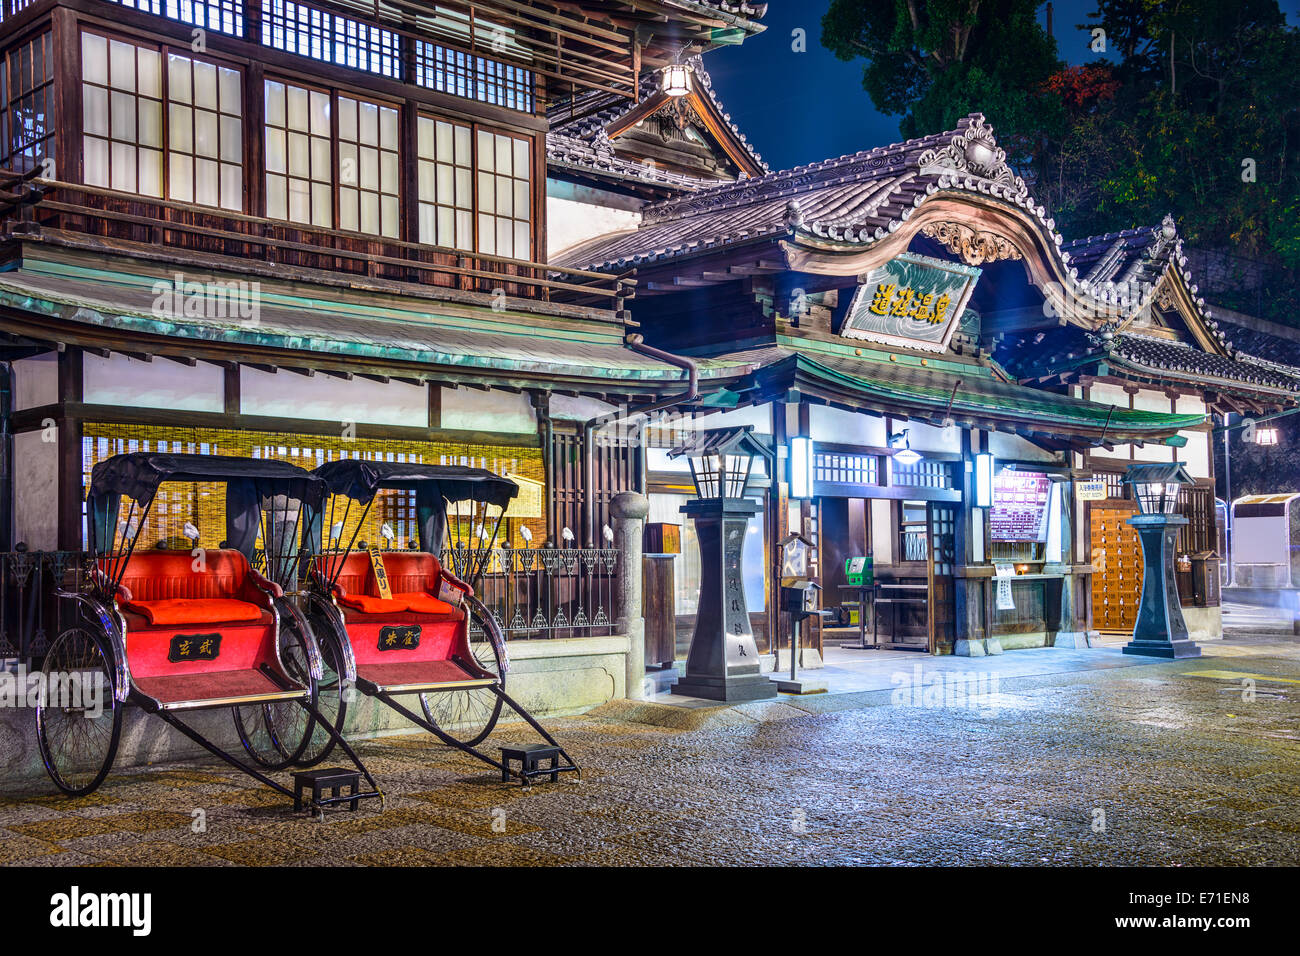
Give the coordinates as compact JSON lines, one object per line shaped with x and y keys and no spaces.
{"x":915,"y":312}
{"x":314,"y":230}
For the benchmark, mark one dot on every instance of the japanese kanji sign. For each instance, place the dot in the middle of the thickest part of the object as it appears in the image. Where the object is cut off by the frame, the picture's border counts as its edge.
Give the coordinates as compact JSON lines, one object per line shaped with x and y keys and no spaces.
{"x":911,"y":301}
{"x":194,"y":647}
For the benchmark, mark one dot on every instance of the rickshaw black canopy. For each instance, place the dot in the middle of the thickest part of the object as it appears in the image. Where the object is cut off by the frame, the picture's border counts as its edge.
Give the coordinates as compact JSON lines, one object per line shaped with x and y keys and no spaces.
{"x":434,"y":486}
{"x":361,"y":480}
{"x":248,"y":481}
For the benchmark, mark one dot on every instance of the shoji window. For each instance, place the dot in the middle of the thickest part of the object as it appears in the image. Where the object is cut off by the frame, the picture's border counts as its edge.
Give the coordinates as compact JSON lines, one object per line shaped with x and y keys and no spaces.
{"x":122,"y":115}
{"x":504,"y":198}
{"x":204,"y":133}
{"x":299,"y":159}
{"x":369,"y":170}
{"x":446,"y":183}
{"x":474,"y":199}
{"x":174,"y":132}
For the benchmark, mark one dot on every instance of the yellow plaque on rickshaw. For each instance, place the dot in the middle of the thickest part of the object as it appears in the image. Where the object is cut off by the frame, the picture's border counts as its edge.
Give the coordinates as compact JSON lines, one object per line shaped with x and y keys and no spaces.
{"x":381,"y":575}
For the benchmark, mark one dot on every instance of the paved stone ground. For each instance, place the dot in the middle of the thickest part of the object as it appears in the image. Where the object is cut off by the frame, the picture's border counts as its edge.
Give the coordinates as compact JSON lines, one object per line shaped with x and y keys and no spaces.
{"x":1185,"y":770}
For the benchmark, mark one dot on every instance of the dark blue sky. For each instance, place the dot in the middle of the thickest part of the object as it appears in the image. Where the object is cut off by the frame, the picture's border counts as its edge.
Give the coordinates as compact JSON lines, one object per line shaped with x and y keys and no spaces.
{"x":798,"y":108}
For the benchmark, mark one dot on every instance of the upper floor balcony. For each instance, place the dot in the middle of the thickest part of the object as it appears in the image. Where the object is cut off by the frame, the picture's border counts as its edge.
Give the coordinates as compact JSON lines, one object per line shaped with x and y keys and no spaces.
{"x":392,"y":142}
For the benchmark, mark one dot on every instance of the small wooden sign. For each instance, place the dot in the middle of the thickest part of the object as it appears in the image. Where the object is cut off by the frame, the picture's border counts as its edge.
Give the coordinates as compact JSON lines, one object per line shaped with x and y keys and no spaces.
{"x":663,"y":538}
{"x":381,"y":574}
{"x":1090,"y":491}
{"x":185,"y":648}
{"x":405,"y":638}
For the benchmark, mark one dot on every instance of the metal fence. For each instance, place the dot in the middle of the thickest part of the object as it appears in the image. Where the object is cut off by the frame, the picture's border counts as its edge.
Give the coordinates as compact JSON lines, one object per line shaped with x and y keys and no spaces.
{"x":542,"y":592}
{"x":30,"y":614}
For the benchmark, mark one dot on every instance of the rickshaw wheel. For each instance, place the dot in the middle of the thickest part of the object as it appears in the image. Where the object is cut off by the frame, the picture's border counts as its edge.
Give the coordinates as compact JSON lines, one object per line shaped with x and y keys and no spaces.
{"x":78,"y":750}
{"x":468,"y":716}
{"x":275,"y":734}
{"x":331,"y":701}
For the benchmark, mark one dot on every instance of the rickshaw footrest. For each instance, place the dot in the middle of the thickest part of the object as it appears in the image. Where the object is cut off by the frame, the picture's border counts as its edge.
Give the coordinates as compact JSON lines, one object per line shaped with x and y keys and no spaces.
{"x":333,"y":779}
{"x":530,"y":757}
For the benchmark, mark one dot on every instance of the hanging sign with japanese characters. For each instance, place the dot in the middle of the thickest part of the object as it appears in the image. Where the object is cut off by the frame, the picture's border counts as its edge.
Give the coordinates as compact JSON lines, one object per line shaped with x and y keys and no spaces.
{"x":911,"y":301}
{"x":1019,"y":511}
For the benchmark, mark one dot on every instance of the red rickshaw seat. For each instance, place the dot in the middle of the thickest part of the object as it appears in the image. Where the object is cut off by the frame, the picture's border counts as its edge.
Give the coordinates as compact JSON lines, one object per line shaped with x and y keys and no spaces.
{"x":179,"y":611}
{"x":414,"y":602}
{"x":205,"y":689}
{"x":165,"y":598}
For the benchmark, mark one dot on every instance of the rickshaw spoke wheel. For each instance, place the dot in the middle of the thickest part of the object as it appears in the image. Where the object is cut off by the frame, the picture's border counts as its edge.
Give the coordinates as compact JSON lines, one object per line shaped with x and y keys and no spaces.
{"x":78,"y":718}
{"x":331,"y":703}
{"x":468,"y":716}
{"x":274,"y":734}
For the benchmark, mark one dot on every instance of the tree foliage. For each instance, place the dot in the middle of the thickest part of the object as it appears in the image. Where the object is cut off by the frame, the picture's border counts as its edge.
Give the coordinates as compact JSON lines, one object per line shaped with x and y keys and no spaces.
{"x":1192,"y":109}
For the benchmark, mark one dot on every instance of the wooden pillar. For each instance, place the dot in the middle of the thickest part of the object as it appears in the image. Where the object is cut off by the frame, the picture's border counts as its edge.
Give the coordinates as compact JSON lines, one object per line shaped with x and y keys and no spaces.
{"x":69,"y":424}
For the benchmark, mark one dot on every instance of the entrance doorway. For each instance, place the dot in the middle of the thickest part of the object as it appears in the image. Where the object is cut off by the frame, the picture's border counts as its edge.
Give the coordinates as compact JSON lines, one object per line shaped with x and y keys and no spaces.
{"x":913,"y":546}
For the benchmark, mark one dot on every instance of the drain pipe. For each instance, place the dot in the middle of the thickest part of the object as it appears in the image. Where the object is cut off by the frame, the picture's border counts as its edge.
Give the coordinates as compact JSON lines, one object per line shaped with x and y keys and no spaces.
{"x":636,"y":343}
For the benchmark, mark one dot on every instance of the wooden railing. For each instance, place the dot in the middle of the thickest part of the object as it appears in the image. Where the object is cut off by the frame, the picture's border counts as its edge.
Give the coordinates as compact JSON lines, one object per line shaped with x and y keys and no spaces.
{"x":34,"y":206}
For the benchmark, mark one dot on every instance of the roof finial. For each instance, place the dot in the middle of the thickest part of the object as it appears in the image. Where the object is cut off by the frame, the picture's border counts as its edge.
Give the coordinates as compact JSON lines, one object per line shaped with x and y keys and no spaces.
{"x":1168,"y":227}
{"x":793,"y":215}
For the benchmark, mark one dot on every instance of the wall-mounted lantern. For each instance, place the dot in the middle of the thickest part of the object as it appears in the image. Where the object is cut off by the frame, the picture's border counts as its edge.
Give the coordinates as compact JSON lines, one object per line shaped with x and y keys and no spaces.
{"x":902,"y":444}
{"x":983,"y":480}
{"x":801,"y":467}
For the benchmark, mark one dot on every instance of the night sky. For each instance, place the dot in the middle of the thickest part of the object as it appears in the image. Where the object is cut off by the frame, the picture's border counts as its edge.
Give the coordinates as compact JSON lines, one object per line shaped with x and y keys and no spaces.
{"x":798,"y":108}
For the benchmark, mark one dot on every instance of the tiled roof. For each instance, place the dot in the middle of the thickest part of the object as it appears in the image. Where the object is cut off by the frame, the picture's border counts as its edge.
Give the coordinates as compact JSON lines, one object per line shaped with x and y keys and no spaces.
{"x":1162,"y":355}
{"x":855,"y":199}
{"x":859,"y":199}
{"x":972,"y":395}
{"x":1151,"y":357}
{"x":582,"y":144}
{"x":377,"y":328}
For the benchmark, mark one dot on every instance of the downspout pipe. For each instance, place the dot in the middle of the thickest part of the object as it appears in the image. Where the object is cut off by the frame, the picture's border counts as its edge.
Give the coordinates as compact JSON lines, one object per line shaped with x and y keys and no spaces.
{"x":636,"y":343}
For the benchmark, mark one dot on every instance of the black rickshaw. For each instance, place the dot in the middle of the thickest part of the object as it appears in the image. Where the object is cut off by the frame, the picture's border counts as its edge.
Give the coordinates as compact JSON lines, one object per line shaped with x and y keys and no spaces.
{"x":397,"y":623}
{"x":176,"y":628}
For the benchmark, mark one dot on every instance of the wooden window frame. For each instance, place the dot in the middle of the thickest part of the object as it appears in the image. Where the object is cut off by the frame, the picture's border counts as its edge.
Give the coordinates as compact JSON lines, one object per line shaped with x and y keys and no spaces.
{"x":45,"y":145}
{"x":492,"y":130}
{"x":332,"y":171}
{"x":164,"y":48}
{"x":359,"y":187}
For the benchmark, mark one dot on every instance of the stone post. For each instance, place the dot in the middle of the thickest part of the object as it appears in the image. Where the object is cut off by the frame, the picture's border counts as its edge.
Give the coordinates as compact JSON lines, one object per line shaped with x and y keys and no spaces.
{"x":629,"y":511}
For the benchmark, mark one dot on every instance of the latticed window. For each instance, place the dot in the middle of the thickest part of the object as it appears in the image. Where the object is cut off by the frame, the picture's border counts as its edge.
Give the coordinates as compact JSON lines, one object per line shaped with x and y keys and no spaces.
{"x":369,"y":170}
{"x":311,"y":32}
{"x":446,"y":183}
{"x":138,"y":116}
{"x":847,"y":469}
{"x":924,"y":473}
{"x":27,"y":104}
{"x":204,"y":133}
{"x":475,"y":188}
{"x":122,"y":115}
{"x":299,"y":160}
{"x":474,"y":77}
{"x":220,"y":16}
{"x":504,"y":166}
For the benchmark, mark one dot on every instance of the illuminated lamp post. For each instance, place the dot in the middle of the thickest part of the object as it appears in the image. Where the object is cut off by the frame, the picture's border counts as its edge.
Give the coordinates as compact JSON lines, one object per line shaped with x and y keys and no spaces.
{"x":1160,"y":630}
{"x":723,"y":661}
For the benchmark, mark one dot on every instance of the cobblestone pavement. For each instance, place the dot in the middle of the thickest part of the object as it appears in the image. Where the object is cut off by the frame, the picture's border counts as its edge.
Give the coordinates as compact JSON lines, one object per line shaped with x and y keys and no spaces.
{"x":1183,"y":767}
